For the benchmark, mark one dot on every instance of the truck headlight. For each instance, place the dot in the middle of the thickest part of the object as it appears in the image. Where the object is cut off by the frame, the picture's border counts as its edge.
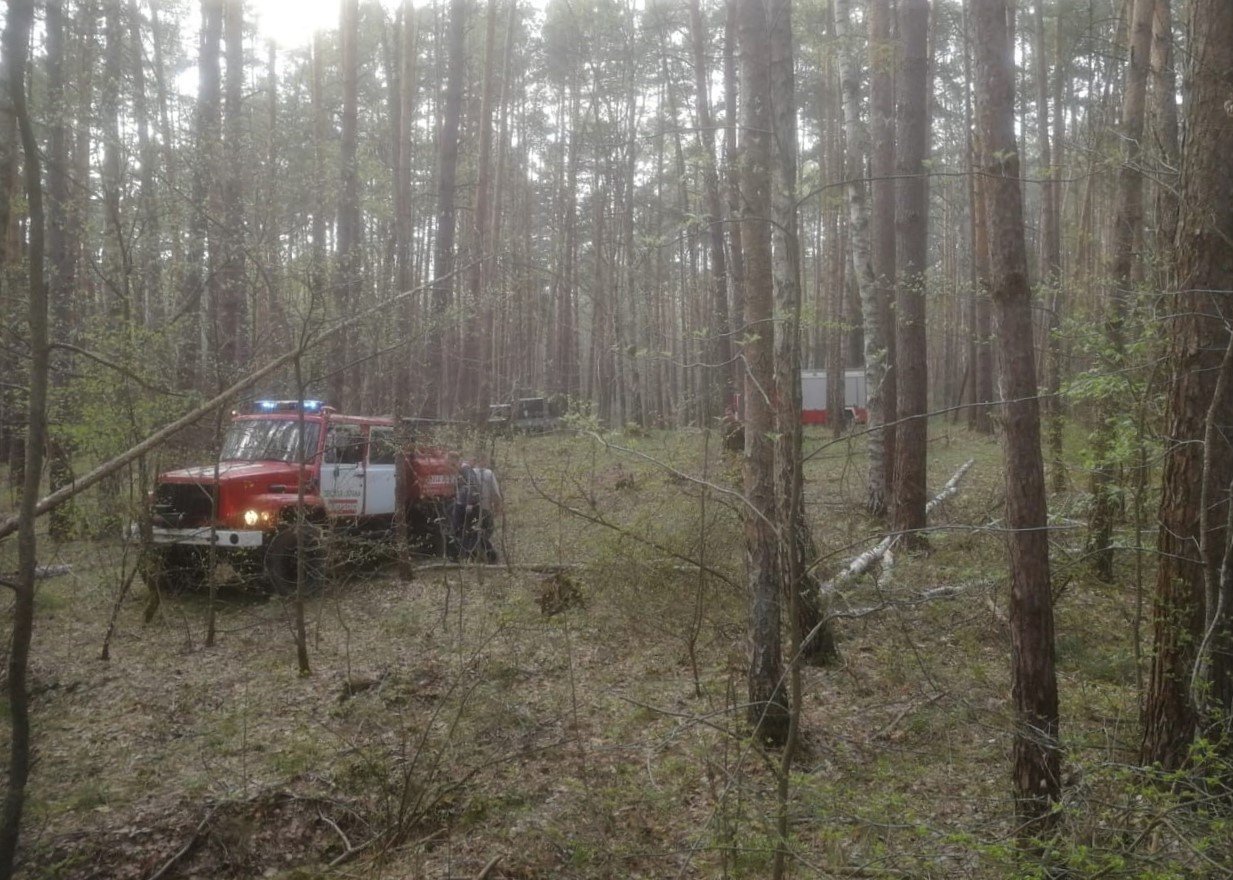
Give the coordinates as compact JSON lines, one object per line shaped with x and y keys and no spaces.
{"x":251,"y":517}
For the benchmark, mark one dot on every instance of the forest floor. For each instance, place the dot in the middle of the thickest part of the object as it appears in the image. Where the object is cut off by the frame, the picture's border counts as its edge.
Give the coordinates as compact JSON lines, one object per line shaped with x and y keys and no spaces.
{"x":511,"y":723}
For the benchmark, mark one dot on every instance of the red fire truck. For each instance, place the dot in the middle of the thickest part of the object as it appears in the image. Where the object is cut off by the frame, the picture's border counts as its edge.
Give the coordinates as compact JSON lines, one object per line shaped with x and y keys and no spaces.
{"x":356,"y":472}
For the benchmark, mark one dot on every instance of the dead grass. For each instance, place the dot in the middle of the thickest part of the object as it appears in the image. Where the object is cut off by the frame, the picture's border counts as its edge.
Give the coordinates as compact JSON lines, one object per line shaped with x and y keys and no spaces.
{"x":448,"y":721}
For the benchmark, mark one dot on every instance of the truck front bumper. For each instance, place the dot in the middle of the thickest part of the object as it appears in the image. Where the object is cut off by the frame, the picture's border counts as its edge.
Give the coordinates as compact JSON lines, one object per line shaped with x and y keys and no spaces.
{"x":244,"y":539}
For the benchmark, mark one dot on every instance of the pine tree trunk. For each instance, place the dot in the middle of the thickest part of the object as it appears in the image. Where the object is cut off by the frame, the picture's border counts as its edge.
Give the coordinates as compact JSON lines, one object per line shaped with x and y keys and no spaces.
{"x":832,"y":148}
{"x":566,"y":329}
{"x":167,"y":155}
{"x":440,"y":367}
{"x":720,"y":353}
{"x":1197,"y":332}
{"x":10,"y":150}
{"x":347,"y":278}
{"x":403,"y":221}
{"x":882,"y":191}
{"x":474,"y":379}
{"x":796,"y":545}
{"x":18,"y":22}
{"x":626,"y":310}
{"x":269,"y":325}
{"x":1164,"y":80}
{"x":150,"y":258}
{"x":862,"y":257}
{"x":1037,"y":779}
{"x":768,"y":710}
{"x":322,"y":128}
{"x":979,"y":353}
{"x":912,"y":226}
{"x":732,"y":163}
{"x":117,"y":262}
{"x":1055,"y":410}
{"x":198,"y":279}
{"x":1127,"y":223}
{"x":233,"y":349}
{"x":61,"y":265}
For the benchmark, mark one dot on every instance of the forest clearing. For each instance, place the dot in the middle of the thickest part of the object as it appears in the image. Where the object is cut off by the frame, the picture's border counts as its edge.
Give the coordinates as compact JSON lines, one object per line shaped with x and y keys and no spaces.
{"x":462,"y":717}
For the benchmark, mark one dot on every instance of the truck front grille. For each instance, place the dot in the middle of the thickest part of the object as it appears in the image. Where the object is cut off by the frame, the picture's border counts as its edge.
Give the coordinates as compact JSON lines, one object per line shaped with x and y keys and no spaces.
{"x":183,"y":505}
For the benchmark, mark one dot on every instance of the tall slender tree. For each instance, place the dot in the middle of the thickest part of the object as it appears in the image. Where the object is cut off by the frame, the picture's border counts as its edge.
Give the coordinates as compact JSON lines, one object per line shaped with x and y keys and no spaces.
{"x":1053,"y":260}
{"x":732,"y":163}
{"x":15,"y":49}
{"x":1037,"y":780}
{"x":150,"y":260}
{"x":349,"y":261}
{"x":439,"y":364}
{"x":857,"y":134}
{"x":1193,"y":539}
{"x":796,"y":545}
{"x":721,"y":347}
{"x":233,"y":345}
{"x":768,"y":710}
{"x":1164,"y":112}
{"x":1127,"y":229}
{"x":882,"y":56}
{"x":117,"y":263}
{"x":61,"y":259}
{"x":404,"y":231}
{"x":980,"y":351}
{"x":912,"y":226}
{"x":478,"y":329}
{"x":198,"y":280}
{"x":10,"y":151}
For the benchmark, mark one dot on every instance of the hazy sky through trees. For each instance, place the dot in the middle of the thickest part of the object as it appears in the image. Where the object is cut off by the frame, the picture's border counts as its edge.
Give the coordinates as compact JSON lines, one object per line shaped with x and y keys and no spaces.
{"x":291,"y":23}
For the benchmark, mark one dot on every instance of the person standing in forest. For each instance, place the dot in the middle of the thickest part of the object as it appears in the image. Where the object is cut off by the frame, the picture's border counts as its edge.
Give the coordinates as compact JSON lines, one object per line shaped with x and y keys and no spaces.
{"x":463,"y":507}
{"x":491,"y":505}
{"x":477,"y":502}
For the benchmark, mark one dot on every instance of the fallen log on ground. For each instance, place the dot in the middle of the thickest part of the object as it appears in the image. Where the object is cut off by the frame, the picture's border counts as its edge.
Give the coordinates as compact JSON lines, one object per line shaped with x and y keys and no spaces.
{"x":41,"y":573}
{"x":866,"y":560}
{"x":535,"y":568}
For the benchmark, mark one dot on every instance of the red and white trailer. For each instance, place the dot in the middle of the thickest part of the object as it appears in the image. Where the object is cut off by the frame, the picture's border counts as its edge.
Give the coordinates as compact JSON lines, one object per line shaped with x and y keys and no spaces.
{"x":814,"y":398}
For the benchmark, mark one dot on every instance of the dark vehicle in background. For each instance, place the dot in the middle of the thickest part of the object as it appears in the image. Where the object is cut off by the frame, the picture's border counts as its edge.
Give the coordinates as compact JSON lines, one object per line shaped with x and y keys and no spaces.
{"x":526,"y":415}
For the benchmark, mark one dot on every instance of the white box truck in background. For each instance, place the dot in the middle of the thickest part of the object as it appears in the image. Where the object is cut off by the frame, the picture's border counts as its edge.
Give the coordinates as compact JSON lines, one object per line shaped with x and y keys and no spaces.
{"x":814,"y":402}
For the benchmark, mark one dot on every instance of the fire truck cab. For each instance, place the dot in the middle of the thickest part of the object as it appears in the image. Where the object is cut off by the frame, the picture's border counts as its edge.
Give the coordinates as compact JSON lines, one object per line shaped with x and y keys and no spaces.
{"x":289,"y":472}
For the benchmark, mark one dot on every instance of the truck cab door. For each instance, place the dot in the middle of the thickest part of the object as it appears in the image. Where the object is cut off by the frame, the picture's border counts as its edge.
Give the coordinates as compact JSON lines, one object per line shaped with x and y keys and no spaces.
{"x":379,"y":475}
{"x":342,"y":470}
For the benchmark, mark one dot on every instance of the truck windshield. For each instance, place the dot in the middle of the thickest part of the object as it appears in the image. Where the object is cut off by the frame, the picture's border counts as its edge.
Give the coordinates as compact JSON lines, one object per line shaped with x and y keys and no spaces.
{"x":269,"y":440}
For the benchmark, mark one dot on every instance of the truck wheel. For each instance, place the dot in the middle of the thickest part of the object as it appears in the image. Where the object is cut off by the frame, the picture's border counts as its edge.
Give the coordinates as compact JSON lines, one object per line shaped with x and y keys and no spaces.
{"x":170,"y":570}
{"x":282,"y":558}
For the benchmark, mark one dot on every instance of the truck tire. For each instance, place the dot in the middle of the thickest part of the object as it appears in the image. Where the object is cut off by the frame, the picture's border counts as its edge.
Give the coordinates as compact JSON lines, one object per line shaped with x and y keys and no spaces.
{"x":170,"y":570}
{"x":282,"y":558}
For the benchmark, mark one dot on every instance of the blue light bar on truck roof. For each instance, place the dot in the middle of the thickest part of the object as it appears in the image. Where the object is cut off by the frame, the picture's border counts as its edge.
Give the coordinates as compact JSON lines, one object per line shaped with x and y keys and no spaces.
{"x":266,"y":406}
